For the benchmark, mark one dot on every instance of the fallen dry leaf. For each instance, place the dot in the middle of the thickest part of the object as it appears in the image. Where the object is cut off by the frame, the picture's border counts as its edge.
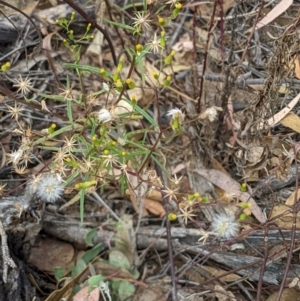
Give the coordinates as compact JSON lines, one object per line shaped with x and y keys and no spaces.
{"x":280,"y":115}
{"x":217,"y":272}
{"x":296,"y":63}
{"x":291,"y":121}
{"x":223,"y":295}
{"x":283,"y":216}
{"x":155,"y":207}
{"x":49,"y":253}
{"x":85,"y":295}
{"x":254,"y":154}
{"x":288,"y":294}
{"x":291,"y":199}
{"x":280,"y":8}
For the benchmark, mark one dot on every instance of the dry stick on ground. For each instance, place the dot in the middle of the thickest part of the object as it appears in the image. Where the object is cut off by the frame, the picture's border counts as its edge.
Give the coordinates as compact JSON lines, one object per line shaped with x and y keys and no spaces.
{"x":7,"y":260}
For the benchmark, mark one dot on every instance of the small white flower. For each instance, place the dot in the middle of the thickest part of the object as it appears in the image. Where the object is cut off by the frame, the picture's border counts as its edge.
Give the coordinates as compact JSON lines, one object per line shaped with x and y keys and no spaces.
{"x":15,"y":157}
{"x":141,"y":21}
{"x":24,"y":85}
{"x":224,"y":226}
{"x":176,"y":113}
{"x":49,"y":188}
{"x":210,"y":113}
{"x":104,"y":115}
{"x":154,"y":45}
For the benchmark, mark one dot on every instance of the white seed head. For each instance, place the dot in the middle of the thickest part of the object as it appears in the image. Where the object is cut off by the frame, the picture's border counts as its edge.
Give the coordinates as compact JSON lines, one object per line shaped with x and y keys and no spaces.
{"x":224,"y":226}
{"x":104,"y":115}
{"x":176,"y":113}
{"x":49,"y":188}
{"x":210,"y":113}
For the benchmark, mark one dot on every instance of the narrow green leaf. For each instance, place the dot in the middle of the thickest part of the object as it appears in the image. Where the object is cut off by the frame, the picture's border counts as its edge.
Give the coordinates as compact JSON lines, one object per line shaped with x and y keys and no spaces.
{"x":80,"y":266}
{"x":69,"y":110}
{"x":90,"y":236}
{"x":92,"y":253}
{"x":81,"y":209}
{"x":121,"y":25}
{"x":142,"y":112}
{"x":83,"y":67}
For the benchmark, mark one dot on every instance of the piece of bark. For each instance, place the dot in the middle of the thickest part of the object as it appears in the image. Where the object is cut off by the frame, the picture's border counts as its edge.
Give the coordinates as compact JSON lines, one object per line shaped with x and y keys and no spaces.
{"x":72,"y":231}
{"x":21,"y":218}
{"x":249,"y":266}
{"x":272,"y":183}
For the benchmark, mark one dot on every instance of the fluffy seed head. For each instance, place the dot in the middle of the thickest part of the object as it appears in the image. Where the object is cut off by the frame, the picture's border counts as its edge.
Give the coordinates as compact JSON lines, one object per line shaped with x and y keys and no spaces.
{"x":176,"y":113}
{"x":224,"y":226}
{"x":104,"y":115}
{"x":49,"y":188}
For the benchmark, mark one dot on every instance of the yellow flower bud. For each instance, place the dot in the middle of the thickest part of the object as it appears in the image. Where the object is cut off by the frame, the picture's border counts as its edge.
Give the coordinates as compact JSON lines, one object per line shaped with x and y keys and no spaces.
{"x":243,"y":187}
{"x":172,"y":216}
{"x":161,"y":21}
{"x":139,"y":48}
{"x":162,"y":40}
{"x":178,"y":5}
{"x":167,"y":81}
{"x":169,"y":58}
{"x":133,"y":100}
{"x":155,"y":75}
{"x":130,"y":84}
{"x":51,"y":128}
{"x":5,"y":66}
